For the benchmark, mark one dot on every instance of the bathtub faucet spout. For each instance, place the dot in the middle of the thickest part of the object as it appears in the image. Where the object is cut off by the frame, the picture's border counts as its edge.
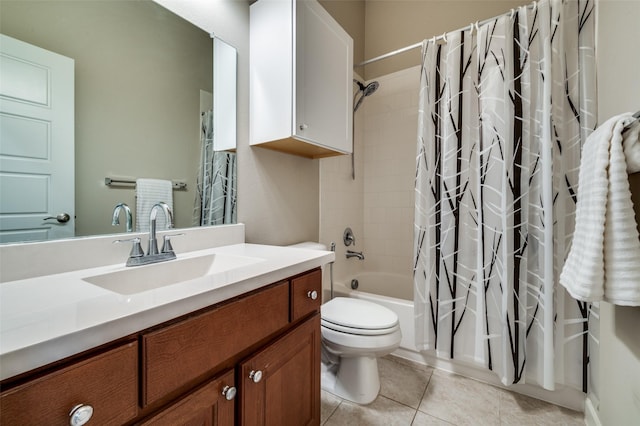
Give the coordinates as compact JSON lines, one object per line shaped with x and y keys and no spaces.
{"x":357,"y":254}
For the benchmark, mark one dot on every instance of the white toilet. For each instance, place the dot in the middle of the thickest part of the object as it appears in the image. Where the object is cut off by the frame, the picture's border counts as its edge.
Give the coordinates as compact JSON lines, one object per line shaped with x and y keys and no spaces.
{"x":355,"y":333}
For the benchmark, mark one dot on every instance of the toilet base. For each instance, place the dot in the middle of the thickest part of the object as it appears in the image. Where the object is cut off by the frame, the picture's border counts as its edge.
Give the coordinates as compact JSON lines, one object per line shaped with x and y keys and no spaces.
{"x":354,"y":378}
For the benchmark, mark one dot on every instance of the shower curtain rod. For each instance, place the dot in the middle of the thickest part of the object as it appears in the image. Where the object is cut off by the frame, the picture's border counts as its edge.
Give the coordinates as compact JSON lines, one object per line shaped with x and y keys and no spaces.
{"x":387,"y":55}
{"x":441,"y":37}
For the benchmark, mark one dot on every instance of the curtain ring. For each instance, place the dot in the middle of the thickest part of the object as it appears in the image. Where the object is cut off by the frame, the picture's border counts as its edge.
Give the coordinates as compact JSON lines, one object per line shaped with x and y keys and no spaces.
{"x":513,"y":12}
{"x":535,"y":6}
{"x":471,"y":28}
{"x":477,"y":27}
{"x":444,"y":37}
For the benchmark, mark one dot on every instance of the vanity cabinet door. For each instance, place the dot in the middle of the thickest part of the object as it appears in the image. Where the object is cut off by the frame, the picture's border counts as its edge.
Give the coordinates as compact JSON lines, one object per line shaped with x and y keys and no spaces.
{"x":306,"y":294}
{"x":280,"y":385}
{"x":211,"y":404}
{"x":107,"y":382}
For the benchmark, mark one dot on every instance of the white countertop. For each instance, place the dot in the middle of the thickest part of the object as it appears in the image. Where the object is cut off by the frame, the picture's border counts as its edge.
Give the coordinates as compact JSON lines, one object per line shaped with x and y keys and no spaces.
{"x":45,"y":319}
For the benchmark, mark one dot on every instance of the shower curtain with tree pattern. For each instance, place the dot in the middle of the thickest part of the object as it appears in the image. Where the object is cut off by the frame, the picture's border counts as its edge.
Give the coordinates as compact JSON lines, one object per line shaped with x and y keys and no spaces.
{"x":216,"y":194}
{"x":504,"y":110}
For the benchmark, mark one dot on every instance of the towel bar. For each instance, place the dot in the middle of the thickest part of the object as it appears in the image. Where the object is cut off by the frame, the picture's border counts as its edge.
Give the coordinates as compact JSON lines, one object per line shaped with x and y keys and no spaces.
{"x":628,"y":126}
{"x":111,"y":181}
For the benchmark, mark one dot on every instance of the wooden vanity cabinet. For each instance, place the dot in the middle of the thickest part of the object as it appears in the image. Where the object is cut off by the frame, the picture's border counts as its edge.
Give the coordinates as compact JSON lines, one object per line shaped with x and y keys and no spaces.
{"x":200,"y":369}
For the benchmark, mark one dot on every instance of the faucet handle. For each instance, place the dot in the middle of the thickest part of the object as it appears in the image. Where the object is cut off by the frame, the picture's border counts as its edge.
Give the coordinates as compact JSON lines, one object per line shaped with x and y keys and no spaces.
{"x":136,"y":250}
{"x":166,"y":245}
{"x":348,"y":238}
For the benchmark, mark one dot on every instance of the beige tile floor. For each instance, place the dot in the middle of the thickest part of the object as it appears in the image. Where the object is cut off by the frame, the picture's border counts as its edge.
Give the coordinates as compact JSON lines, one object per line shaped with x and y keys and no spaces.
{"x":424,"y":396}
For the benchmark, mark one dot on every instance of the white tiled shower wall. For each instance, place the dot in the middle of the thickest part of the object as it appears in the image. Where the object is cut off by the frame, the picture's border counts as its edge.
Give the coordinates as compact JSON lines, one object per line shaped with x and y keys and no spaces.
{"x":378,"y":205}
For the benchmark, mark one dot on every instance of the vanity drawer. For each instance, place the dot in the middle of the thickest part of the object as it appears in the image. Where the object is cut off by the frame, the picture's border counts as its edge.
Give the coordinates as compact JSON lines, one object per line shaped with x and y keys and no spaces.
{"x":107,"y":382}
{"x":302,"y":294}
{"x":180,"y":353}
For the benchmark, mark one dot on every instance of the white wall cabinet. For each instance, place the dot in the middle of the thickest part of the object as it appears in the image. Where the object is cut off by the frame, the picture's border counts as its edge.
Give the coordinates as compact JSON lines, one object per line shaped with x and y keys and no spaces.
{"x":301,"y":79}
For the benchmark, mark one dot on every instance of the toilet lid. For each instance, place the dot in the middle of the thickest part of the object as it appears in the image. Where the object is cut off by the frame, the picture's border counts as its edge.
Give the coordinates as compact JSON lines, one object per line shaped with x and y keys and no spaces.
{"x":358,"y":313}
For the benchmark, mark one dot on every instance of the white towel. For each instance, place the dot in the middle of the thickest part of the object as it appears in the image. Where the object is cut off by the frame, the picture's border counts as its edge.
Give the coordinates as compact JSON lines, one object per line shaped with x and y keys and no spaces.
{"x":604,"y":260}
{"x":148,"y":193}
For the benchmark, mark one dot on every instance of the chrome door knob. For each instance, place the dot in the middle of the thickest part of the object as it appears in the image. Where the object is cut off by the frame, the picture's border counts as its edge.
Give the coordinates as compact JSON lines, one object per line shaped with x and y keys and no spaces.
{"x":61,"y":218}
{"x":304,"y":127}
{"x":313,"y":295}
{"x":256,"y":376}
{"x":80,"y":415}
{"x":229,"y":392}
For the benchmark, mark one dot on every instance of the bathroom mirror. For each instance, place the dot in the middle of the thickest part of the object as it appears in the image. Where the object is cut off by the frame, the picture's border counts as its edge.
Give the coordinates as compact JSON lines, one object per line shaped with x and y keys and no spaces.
{"x":143,"y":84}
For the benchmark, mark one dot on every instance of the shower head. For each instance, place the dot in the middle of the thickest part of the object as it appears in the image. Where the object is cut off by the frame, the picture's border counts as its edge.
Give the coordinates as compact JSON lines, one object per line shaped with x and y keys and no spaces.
{"x":364,"y":91}
{"x":367,"y":90}
{"x":370,"y":88}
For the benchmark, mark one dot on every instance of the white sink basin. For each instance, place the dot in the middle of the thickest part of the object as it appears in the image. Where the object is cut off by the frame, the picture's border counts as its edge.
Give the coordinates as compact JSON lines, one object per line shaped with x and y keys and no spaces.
{"x":142,"y":278}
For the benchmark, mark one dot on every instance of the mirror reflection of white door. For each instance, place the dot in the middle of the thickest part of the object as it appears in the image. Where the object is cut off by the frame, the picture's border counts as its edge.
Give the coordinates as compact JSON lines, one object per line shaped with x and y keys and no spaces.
{"x":37,"y":192}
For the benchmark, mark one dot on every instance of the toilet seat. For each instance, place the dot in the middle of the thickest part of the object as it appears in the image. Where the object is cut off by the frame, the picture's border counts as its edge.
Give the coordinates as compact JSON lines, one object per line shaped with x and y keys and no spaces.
{"x":359,"y":317}
{"x":358,"y":331}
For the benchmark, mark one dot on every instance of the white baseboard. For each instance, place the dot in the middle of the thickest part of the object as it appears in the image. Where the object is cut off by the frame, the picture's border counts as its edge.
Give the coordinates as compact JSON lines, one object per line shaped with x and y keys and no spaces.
{"x":563,"y":396}
{"x":591,"y":417}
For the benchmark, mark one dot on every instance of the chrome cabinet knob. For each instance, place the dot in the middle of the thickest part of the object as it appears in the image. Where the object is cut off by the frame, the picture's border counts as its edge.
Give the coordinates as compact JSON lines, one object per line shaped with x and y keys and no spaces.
{"x":313,"y":295}
{"x":256,"y":376}
{"x":61,"y":218}
{"x":80,"y":415}
{"x":229,"y":392}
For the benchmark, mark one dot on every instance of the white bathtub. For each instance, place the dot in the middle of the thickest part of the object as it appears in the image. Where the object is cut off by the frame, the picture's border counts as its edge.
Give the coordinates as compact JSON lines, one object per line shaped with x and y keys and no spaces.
{"x":378,"y":287}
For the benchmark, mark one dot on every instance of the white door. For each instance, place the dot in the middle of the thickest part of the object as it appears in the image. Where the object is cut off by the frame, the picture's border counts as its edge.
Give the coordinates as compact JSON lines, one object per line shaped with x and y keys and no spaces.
{"x":37,"y":193}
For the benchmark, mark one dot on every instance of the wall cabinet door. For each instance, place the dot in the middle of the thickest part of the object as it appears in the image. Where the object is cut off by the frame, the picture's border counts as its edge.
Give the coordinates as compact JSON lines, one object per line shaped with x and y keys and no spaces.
{"x":324,"y":78}
{"x":281,"y":384}
{"x":213,"y":404}
{"x":301,"y":64}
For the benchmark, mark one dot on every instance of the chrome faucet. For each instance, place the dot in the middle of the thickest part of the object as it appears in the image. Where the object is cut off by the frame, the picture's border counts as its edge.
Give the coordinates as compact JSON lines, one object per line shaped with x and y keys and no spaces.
{"x":357,"y":254}
{"x":127,"y":214}
{"x":153,"y":243}
{"x":137,"y":256}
